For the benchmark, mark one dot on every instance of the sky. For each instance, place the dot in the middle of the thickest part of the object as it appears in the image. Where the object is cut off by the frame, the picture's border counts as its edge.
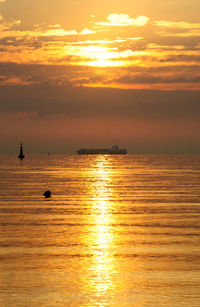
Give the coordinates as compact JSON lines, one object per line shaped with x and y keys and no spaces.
{"x":94,"y":73}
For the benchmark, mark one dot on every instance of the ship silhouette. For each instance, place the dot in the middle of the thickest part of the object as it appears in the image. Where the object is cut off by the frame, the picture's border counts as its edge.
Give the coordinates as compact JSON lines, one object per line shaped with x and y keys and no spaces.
{"x":114,"y":150}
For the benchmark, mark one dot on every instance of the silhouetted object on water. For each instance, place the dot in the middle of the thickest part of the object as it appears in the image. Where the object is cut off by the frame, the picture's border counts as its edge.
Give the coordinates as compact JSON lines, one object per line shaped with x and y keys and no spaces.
{"x":21,"y":155}
{"x":47,"y":194}
{"x":102,"y":151}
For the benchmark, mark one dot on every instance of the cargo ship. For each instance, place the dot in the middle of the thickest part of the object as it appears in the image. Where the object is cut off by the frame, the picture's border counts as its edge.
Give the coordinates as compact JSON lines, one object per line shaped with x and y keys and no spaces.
{"x":114,"y":150}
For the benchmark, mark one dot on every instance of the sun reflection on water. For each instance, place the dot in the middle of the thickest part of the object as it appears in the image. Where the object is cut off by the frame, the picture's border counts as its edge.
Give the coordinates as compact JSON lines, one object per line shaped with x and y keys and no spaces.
{"x":101,"y":237}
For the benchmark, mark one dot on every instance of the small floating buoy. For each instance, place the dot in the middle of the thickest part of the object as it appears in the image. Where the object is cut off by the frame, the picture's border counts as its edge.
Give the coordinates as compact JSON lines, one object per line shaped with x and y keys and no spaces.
{"x":47,"y":194}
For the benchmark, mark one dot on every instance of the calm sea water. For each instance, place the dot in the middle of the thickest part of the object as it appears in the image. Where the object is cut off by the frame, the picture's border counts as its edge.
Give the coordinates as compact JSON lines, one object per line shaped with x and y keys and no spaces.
{"x":117,"y":231}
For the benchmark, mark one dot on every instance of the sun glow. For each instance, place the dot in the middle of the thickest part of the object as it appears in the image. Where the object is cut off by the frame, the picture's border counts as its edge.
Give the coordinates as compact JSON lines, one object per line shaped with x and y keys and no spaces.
{"x":101,"y":56}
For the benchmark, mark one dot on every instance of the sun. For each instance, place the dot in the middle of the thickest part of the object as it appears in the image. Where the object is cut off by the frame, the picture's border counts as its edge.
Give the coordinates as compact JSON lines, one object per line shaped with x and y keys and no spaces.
{"x":100,"y":56}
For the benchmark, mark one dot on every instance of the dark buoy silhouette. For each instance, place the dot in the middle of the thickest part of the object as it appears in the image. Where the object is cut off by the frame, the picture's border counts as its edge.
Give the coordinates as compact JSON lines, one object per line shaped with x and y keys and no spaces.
{"x":47,"y":194}
{"x":21,"y":155}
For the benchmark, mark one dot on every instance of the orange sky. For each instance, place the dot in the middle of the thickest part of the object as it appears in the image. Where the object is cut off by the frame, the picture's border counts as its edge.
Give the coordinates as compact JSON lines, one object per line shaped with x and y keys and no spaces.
{"x":136,"y":46}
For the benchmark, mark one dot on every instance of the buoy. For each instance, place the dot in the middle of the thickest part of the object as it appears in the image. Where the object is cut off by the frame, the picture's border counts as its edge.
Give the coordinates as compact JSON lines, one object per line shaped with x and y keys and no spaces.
{"x":21,"y":154}
{"x":47,"y":194}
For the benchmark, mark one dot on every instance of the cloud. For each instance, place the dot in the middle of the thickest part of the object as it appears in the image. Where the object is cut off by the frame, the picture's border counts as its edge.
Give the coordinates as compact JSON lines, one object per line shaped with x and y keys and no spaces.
{"x":122,"y":20}
{"x":15,"y":80}
{"x":22,"y":115}
{"x":54,"y":32}
{"x":177,"y":24}
{"x":87,"y":32}
{"x":61,"y":32}
{"x":11,"y":29}
{"x":177,"y":28}
{"x":43,"y":101}
{"x":156,"y":66}
{"x":117,"y":53}
{"x":99,"y":42}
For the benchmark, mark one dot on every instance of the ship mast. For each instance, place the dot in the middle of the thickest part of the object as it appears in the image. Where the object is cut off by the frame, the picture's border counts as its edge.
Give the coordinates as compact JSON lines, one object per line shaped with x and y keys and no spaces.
{"x":21,"y":154}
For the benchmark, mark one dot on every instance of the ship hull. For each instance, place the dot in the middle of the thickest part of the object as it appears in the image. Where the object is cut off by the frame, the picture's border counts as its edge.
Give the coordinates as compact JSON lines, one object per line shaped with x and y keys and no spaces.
{"x":101,"y":152}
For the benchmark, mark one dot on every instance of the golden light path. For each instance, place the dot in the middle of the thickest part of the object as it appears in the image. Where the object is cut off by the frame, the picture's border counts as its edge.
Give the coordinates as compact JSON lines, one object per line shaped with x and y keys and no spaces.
{"x":101,"y":235}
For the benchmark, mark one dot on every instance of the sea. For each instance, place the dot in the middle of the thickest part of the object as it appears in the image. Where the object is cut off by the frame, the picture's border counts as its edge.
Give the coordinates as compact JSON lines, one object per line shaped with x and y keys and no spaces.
{"x":117,"y":231}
